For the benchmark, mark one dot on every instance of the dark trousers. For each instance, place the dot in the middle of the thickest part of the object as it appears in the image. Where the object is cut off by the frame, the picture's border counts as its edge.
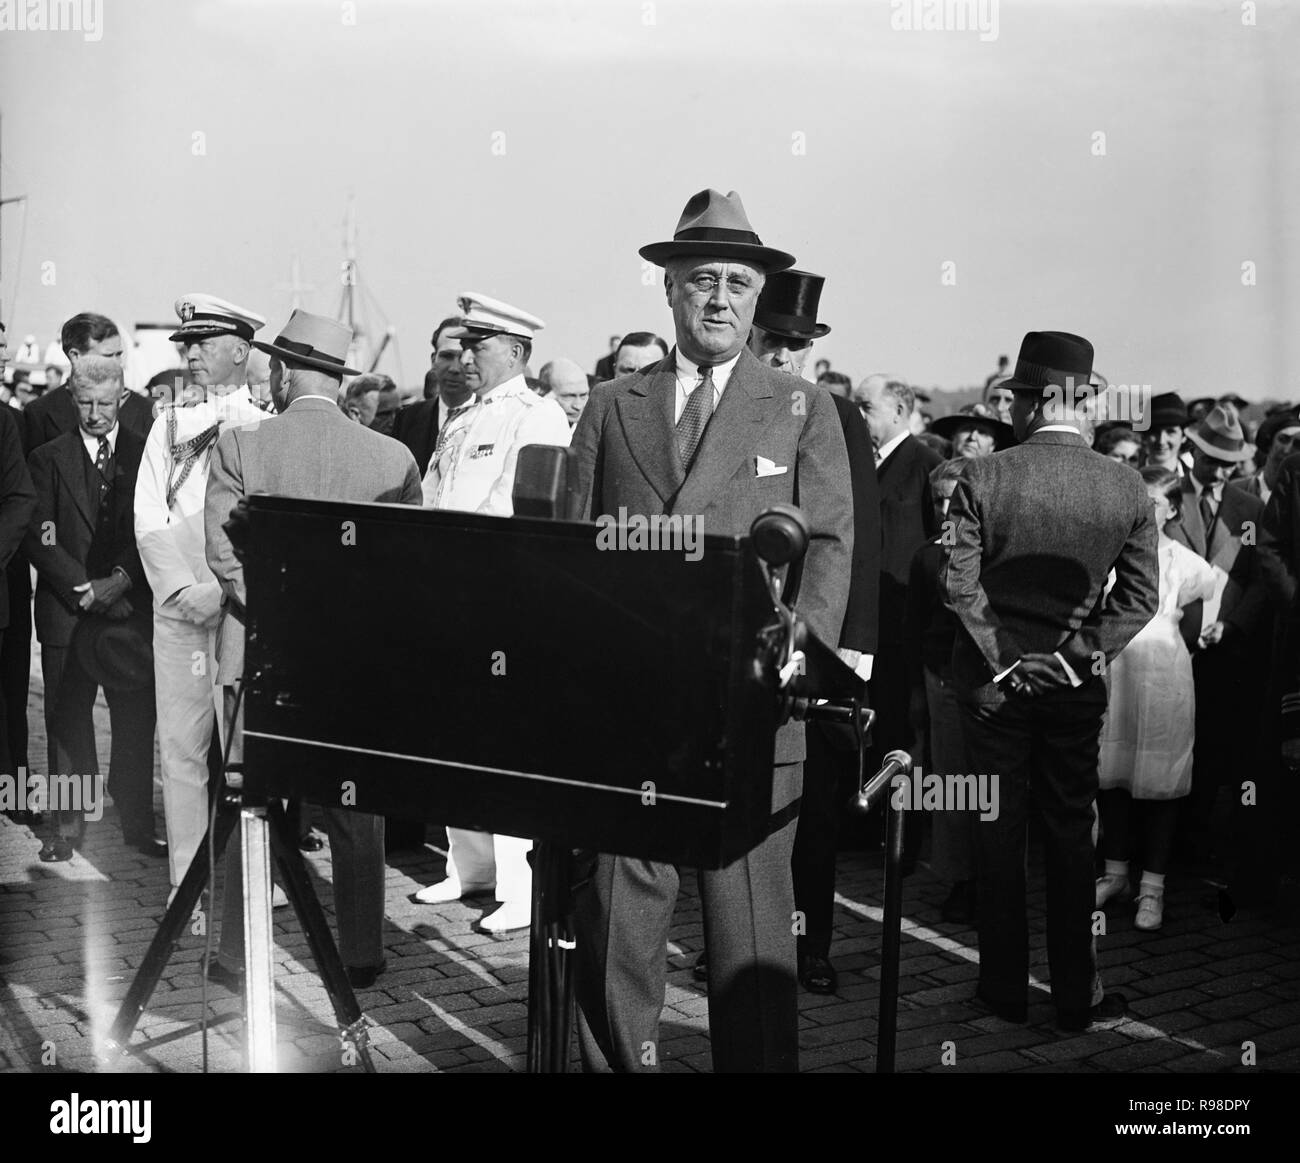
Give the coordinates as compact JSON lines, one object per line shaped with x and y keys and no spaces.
{"x":828,"y":775}
{"x":1049,"y":743}
{"x":357,"y":861}
{"x":70,"y":729}
{"x":622,"y":918}
{"x":15,"y":667}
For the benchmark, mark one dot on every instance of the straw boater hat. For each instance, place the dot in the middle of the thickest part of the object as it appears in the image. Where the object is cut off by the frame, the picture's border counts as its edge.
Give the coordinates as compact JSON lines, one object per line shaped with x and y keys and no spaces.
{"x":1219,"y":435}
{"x":312,"y":341}
{"x":719,"y":228}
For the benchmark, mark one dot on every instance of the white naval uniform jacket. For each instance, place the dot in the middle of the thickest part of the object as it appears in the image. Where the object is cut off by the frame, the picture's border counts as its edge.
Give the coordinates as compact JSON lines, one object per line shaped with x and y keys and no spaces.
{"x":171,"y":541}
{"x":481,"y":478}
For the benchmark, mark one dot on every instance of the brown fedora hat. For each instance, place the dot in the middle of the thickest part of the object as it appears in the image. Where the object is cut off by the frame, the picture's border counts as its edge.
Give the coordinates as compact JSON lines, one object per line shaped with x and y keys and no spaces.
{"x":312,"y":341}
{"x":717,"y":226}
{"x":1219,"y":435}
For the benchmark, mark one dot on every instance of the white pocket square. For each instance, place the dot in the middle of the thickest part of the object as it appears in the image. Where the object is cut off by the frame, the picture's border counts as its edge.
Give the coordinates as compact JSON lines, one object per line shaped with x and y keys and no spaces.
{"x":767,"y":468}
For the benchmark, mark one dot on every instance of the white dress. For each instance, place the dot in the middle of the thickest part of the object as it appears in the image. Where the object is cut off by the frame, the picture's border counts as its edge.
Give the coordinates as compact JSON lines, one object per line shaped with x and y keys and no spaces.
{"x":1149,"y":730}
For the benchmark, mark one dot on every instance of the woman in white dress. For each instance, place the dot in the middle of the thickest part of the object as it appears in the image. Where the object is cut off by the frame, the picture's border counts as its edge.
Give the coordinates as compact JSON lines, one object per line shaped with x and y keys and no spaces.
{"x":1147,"y":737}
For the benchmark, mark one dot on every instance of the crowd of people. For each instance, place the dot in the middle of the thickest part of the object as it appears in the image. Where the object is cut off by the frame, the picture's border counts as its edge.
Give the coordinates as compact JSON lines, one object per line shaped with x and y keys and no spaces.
{"x":1088,"y":610}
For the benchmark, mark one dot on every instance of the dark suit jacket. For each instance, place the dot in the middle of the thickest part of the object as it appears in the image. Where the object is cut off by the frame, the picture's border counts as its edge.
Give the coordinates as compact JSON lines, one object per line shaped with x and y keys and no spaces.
{"x":1238,"y":512}
{"x":906,"y":523}
{"x":136,"y":414}
{"x":63,"y":527}
{"x":1279,"y":537}
{"x":862,"y":617}
{"x":17,"y":499}
{"x":1036,"y":531}
{"x":49,"y":415}
{"x":416,"y":426}
{"x":627,"y":458}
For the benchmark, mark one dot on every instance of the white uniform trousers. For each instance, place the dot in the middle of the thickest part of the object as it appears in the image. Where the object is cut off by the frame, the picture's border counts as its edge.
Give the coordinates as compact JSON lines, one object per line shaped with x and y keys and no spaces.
{"x":187,"y":715}
{"x":480,"y":859}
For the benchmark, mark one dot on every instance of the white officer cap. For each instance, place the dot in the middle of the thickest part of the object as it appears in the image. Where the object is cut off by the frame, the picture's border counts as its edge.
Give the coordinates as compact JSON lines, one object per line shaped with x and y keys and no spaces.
{"x":204,"y":315}
{"x":484,"y":316}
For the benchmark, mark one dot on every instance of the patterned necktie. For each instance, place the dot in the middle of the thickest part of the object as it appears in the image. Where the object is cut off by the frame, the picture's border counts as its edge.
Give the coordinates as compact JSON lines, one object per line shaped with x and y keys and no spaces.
{"x":1208,"y":510}
{"x":444,"y":451}
{"x":695,"y":418}
{"x":103,"y":459}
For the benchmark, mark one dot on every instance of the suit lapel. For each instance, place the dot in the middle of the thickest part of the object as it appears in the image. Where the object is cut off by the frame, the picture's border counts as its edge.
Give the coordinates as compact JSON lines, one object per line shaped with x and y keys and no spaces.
{"x":646,"y":414}
{"x":745,"y":409}
{"x":1192,"y":524}
{"x":74,"y":468}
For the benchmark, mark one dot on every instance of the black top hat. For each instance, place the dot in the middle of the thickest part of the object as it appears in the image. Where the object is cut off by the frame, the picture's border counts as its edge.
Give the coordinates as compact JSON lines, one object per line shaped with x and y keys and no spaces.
{"x":1052,"y":358}
{"x":1167,"y":410}
{"x":116,"y":654}
{"x":787,"y":305}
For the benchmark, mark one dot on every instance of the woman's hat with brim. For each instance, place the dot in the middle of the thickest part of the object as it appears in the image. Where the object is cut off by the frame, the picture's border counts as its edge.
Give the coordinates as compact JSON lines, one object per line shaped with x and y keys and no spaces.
{"x":787,"y":305}
{"x":717,"y":227}
{"x":976,"y":416}
{"x":312,"y":341}
{"x":1219,"y":435}
{"x":116,"y":654}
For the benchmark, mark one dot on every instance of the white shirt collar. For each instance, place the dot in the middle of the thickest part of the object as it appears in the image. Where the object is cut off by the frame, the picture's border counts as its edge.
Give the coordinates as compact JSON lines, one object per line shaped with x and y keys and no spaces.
{"x":688,"y":376}
{"x":1060,"y":428}
{"x":92,"y":442}
{"x":883,"y":452}
{"x":312,"y":396}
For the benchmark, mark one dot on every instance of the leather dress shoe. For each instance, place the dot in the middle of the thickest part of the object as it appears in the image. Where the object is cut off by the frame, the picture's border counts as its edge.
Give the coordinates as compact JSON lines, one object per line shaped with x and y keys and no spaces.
{"x":55,"y":850}
{"x":232,"y":979}
{"x":149,"y":847}
{"x":700,"y":970}
{"x":363,"y":976}
{"x":817,"y":974}
{"x":1111,"y":1007}
{"x":511,"y":915}
{"x":1007,"y":1011}
{"x":311,"y":842}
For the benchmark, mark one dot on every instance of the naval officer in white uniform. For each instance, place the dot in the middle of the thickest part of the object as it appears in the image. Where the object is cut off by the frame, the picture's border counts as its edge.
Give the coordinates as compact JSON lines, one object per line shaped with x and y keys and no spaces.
{"x":169,"y":499}
{"x":472,"y":470}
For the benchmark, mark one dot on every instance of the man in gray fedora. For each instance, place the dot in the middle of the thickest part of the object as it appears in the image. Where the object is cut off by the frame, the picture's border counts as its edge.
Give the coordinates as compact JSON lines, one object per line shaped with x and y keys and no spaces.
{"x":710,"y":432}
{"x":311,"y":450}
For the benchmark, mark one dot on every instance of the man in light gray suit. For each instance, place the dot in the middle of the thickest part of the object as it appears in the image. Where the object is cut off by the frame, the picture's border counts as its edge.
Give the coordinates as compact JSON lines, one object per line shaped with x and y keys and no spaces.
{"x":312,"y":450}
{"x":710,"y":433}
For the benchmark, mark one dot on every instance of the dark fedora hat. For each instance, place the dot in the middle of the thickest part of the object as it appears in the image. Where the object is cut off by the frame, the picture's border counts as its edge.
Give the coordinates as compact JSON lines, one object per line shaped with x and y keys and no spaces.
{"x":312,"y":341}
{"x":1051,"y":359}
{"x":787,"y":305}
{"x":976,"y":416}
{"x":717,"y":226}
{"x":1166,"y":410}
{"x":115,"y":653}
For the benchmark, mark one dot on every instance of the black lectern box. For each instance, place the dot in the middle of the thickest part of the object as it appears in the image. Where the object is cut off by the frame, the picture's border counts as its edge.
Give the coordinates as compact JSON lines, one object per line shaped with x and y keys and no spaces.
{"x":509,"y":675}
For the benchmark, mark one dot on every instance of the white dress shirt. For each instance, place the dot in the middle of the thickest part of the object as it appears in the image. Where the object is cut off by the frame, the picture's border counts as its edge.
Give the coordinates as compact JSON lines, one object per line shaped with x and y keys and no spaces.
{"x":688,"y":376}
{"x":92,"y":442}
{"x":886,"y":450}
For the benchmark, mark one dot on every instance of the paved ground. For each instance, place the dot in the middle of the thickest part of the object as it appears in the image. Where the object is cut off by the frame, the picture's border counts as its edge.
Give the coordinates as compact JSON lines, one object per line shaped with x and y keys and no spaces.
{"x":453,"y":999}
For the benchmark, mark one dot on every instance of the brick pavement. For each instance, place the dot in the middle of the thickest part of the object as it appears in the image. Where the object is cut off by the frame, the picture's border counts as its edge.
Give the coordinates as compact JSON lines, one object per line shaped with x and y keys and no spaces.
{"x":453,"y":998}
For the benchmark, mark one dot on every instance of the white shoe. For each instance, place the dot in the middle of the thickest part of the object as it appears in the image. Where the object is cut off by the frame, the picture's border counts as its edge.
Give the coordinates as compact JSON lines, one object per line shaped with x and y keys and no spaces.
{"x":511,"y":915}
{"x":1151,"y":913}
{"x":447,"y":890}
{"x":1112,"y":887}
{"x":278,"y":899}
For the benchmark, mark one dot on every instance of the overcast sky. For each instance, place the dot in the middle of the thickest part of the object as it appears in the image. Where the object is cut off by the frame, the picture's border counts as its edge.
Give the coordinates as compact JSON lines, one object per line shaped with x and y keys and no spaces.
{"x":526,"y":150}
